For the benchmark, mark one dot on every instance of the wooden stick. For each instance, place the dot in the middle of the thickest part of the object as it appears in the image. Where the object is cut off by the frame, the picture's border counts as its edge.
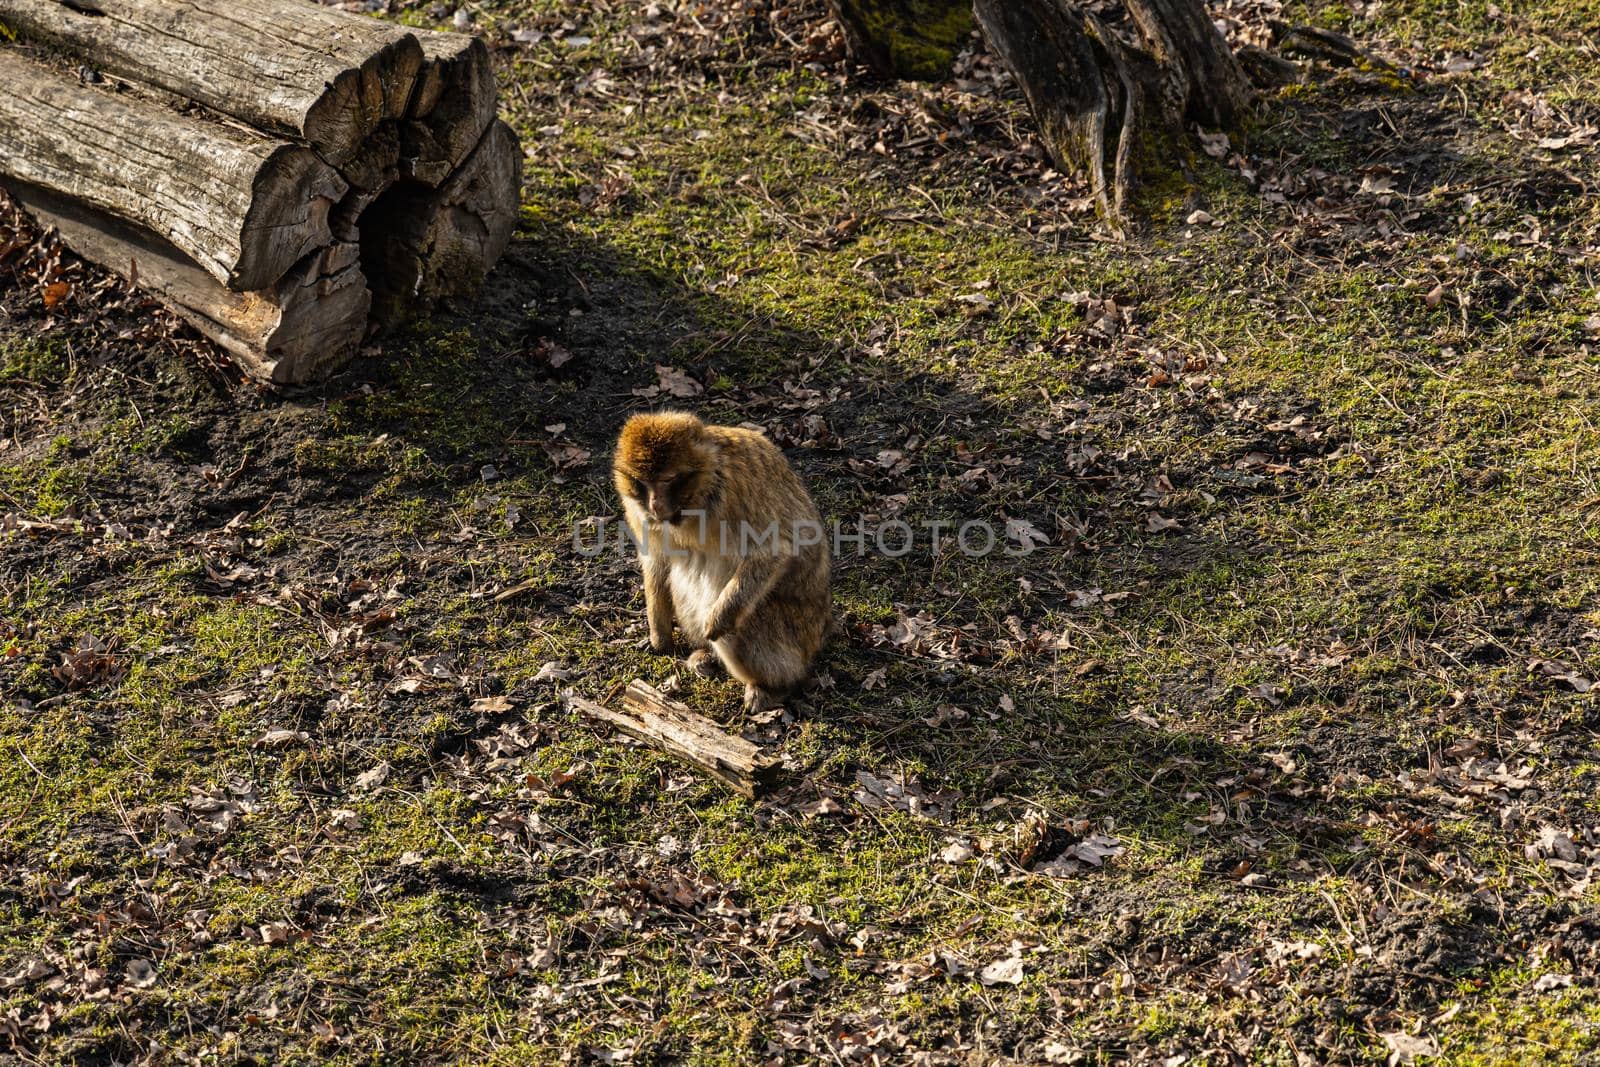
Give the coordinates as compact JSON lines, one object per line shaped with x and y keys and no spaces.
{"x":672,"y":727}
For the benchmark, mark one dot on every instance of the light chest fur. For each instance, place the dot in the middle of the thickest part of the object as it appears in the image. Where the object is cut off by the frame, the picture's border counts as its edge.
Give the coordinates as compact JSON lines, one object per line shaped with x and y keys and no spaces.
{"x":697,"y":568}
{"x":695,"y":582}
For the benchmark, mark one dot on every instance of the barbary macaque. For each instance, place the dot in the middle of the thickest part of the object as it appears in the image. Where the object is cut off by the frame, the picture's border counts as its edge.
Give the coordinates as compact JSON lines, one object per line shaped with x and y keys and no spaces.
{"x":731,"y":547}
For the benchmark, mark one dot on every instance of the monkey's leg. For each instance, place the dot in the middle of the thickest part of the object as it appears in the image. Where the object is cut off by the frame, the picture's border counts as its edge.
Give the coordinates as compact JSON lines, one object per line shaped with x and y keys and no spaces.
{"x":766,"y":657}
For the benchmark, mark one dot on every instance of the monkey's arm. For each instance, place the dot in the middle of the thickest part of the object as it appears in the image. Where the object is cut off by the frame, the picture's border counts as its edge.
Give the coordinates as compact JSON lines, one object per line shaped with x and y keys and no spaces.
{"x":751,"y":582}
{"x":653,"y":562}
{"x":658,"y":602}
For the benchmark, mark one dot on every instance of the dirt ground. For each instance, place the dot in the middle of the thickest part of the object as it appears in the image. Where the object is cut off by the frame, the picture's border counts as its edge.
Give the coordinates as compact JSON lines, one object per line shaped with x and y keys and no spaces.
{"x":1279,"y":746}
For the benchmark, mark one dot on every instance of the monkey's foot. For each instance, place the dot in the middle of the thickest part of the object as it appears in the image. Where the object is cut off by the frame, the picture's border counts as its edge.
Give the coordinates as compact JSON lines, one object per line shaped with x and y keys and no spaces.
{"x":703,"y":662}
{"x":757,"y":699}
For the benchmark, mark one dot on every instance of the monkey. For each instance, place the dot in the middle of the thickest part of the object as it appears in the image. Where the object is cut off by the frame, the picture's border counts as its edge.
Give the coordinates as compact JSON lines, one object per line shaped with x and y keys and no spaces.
{"x":731,"y":547}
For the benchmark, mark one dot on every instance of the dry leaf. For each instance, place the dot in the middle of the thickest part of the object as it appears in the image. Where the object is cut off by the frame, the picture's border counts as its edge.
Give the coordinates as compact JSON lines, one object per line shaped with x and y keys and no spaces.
{"x":373,"y":778}
{"x":1008,"y":971}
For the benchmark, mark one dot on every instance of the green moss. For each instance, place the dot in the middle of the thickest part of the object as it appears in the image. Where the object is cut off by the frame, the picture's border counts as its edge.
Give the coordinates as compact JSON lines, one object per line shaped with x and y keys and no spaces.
{"x":43,"y":360}
{"x":920,"y":38}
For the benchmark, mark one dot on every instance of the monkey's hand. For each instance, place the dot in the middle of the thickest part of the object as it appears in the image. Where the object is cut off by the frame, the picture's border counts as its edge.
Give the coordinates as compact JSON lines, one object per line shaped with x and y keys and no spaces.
{"x":662,"y":642}
{"x":723,"y":622}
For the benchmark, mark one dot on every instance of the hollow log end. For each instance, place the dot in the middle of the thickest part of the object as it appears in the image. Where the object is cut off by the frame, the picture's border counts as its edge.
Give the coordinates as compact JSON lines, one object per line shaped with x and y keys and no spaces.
{"x":423,"y":246}
{"x":453,"y":107}
{"x":360,"y":99}
{"x":291,"y":200}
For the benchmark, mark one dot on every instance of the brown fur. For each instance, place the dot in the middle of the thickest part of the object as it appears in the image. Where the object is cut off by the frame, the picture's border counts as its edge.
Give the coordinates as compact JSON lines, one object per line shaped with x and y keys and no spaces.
{"x":760,"y":607}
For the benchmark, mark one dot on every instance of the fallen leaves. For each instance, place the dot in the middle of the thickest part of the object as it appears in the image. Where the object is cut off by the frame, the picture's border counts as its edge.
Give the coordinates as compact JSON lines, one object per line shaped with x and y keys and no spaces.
{"x":672,"y":382}
{"x":564,"y":455}
{"x":551,"y":671}
{"x":282,"y":738}
{"x":1025,"y":534}
{"x":1008,"y":971}
{"x":1408,"y":1048}
{"x":1557,"y":671}
{"x":956,"y":852}
{"x":373,"y":777}
{"x":1091,"y":852}
{"x":905,"y":795}
{"x":56,"y":293}
{"x":91,"y":662}
{"x":275,"y":933}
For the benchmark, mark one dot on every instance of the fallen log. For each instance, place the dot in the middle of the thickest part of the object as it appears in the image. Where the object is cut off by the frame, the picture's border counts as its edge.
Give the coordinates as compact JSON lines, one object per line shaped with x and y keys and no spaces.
{"x":294,"y":69}
{"x":670,"y":726}
{"x":369,"y":179}
{"x":244,"y":207}
{"x":365,"y":95}
{"x":292,"y":332}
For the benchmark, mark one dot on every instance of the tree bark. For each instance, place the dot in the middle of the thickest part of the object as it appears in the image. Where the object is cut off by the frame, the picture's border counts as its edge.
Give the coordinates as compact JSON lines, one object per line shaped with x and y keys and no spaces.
{"x":243,"y":206}
{"x":290,"y":68}
{"x":453,"y":108}
{"x":1113,"y":103}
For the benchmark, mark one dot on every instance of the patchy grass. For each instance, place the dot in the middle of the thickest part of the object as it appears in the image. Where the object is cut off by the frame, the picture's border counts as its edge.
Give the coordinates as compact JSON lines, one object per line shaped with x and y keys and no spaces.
{"x":1280,"y":750}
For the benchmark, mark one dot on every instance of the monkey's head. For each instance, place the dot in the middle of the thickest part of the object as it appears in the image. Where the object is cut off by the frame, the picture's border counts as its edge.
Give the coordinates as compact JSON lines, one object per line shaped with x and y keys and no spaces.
{"x":667,"y":462}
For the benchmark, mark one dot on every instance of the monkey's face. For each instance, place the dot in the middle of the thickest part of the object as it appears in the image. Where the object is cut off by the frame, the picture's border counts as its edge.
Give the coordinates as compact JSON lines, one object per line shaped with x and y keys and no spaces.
{"x":664,"y":498}
{"x":665,"y":464}
{"x":666,"y":495}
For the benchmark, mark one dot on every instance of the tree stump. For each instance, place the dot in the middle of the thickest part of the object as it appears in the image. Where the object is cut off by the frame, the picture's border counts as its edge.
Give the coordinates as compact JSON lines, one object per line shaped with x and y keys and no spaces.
{"x":1113,"y":88}
{"x":1113,"y":101}
{"x":286,"y":176}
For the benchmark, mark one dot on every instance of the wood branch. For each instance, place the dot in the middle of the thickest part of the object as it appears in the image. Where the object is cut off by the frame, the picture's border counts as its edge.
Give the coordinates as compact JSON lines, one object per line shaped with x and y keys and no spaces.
{"x":1314,"y":42}
{"x":425,"y":245}
{"x":1267,"y":70}
{"x":654,"y":719}
{"x":283,"y":66}
{"x":301,"y":327}
{"x":243,"y":206}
